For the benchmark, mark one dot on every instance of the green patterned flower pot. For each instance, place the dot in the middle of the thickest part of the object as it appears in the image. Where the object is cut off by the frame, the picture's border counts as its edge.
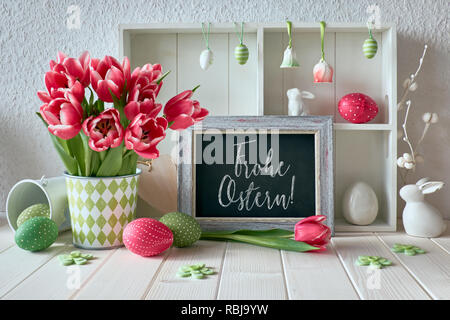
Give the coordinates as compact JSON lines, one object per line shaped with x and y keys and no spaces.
{"x":100,"y":208}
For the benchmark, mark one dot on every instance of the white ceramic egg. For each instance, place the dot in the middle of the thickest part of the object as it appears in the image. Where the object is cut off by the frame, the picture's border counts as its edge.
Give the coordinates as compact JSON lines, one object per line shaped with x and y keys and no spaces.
{"x":206,"y":59}
{"x":360,"y":204}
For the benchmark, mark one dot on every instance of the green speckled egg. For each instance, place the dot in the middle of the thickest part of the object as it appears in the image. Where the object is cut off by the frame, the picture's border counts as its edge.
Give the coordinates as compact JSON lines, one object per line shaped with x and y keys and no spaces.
{"x":36,"y":210}
{"x":36,"y":234}
{"x":186,"y":230}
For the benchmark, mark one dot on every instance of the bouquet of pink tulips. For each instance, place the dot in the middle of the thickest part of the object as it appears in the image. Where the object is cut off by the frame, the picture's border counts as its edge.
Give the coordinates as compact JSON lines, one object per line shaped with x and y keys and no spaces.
{"x":94,"y":140}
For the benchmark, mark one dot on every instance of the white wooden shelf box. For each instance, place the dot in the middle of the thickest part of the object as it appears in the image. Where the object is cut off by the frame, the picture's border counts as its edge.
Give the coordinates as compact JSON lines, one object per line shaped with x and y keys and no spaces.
{"x":364,"y":152}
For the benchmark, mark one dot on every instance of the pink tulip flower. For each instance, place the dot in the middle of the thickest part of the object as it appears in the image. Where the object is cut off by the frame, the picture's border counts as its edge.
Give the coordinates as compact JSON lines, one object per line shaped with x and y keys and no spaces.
{"x":144,"y":84}
{"x":148,"y":106}
{"x":79,"y":68}
{"x":109,"y":75}
{"x":63,"y":116}
{"x":143,"y":135}
{"x":104,"y":131}
{"x":63,"y":74}
{"x":312,"y":231}
{"x":183,"y":112}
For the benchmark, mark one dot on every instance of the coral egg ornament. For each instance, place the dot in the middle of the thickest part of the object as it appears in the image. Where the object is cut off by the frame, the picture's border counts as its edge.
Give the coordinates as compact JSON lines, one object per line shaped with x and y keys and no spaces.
{"x":357,"y":108}
{"x":147,"y":237}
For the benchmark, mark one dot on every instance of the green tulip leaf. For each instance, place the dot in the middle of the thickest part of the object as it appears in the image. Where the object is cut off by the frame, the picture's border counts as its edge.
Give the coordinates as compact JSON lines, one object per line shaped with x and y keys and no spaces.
{"x":112,"y":163}
{"x":76,"y":148}
{"x":63,"y":151}
{"x":264,"y":241}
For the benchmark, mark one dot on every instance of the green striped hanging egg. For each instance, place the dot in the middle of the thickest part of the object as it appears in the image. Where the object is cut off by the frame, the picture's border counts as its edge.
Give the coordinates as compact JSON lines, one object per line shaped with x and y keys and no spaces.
{"x":241,"y":54}
{"x":370,"y":48}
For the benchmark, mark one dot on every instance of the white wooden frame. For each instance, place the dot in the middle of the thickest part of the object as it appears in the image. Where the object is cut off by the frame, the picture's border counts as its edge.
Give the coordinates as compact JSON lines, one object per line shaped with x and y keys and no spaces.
{"x":377,"y":140}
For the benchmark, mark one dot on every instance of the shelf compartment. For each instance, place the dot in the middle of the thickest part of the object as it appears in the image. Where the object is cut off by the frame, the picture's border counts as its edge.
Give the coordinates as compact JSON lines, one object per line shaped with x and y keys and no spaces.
{"x":366,"y":156}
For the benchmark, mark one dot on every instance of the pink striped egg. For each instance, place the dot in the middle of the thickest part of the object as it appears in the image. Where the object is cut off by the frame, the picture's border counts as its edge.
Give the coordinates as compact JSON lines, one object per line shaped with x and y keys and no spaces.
{"x":147,"y":237}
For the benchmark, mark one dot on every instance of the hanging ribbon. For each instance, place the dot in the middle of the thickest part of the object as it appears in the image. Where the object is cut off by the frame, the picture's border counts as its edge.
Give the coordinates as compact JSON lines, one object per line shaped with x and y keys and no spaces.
{"x":240,"y":35}
{"x":289,"y":30}
{"x":206,"y":34}
{"x":322,"y":36}
{"x":369,"y":26}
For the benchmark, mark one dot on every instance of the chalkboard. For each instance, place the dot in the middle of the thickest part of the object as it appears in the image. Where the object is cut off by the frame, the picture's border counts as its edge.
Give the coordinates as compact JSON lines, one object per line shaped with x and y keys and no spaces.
{"x":256,"y":172}
{"x":252,"y":186}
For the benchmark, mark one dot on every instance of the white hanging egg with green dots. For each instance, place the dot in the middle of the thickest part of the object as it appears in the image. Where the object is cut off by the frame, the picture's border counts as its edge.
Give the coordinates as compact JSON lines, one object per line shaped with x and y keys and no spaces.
{"x":241,"y":54}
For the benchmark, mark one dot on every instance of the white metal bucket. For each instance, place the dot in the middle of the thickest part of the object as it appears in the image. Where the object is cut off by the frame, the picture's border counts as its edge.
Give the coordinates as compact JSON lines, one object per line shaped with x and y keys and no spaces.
{"x":51,"y":191}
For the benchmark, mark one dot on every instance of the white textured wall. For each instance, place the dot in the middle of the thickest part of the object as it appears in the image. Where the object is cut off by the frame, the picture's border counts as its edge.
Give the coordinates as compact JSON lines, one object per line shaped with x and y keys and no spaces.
{"x":32,"y":31}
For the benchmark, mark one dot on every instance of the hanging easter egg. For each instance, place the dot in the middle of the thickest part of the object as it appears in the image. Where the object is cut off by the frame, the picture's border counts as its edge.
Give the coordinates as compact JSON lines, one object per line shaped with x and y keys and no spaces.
{"x":36,"y":210}
{"x":370,"y":47}
{"x":186,"y":230}
{"x":360,"y":204}
{"x":36,"y":234}
{"x":241,"y":53}
{"x":147,"y":237}
{"x":357,"y":108}
{"x":323,"y":72}
{"x":206,"y":59}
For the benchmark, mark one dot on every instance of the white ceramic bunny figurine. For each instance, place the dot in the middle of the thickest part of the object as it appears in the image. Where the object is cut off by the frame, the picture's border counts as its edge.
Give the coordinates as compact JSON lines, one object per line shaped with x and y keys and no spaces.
{"x":421,"y":219}
{"x":296,"y":106}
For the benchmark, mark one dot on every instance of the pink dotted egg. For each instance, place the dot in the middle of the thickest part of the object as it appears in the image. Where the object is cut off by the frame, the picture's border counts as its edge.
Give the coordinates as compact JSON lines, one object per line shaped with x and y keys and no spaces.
{"x":357,"y":108}
{"x":147,"y":237}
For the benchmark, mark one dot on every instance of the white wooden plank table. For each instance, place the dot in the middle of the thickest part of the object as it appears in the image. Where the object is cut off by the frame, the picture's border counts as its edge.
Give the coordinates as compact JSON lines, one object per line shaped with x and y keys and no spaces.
{"x":242,"y":271}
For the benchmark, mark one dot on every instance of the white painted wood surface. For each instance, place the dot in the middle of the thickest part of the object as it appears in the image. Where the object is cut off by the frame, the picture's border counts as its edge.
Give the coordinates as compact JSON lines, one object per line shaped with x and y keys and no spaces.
{"x":242,"y":271}
{"x":393,"y":282}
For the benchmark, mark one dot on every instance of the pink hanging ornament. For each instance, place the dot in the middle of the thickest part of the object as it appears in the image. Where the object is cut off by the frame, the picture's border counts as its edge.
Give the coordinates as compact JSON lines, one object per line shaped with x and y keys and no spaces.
{"x":322,"y":71}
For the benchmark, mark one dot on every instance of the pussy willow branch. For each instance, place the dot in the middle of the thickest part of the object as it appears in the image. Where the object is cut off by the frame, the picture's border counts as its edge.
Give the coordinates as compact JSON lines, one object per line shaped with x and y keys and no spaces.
{"x":411,"y":81}
{"x":406,"y":138}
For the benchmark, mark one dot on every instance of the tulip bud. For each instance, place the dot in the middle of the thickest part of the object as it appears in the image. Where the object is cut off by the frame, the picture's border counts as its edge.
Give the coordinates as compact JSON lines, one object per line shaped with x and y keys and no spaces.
{"x":401,"y":162}
{"x":312,"y":231}
{"x":434,"y":117}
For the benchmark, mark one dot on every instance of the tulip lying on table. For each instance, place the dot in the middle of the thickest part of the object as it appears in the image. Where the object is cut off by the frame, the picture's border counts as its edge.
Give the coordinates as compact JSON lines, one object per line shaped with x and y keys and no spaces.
{"x":310,"y":235}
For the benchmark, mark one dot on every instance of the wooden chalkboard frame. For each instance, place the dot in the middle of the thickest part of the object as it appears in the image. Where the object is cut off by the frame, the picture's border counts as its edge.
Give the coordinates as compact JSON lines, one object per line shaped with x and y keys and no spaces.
{"x":320,"y":126}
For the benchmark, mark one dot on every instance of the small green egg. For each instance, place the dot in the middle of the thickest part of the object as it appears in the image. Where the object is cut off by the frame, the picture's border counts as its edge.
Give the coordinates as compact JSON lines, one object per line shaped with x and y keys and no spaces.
{"x":36,"y":234}
{"x":186,"y":230}
{"x":36,"y":210}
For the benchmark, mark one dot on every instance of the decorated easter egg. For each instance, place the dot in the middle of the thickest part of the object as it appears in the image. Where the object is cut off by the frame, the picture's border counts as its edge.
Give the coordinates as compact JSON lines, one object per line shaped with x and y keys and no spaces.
{"x":147,"y":237}
{"x":36,"y":234}
{"x":36,"y":210}
{"x":206,"y":59}
{"x":357,"y":108}
{"x":186,"y":230}
{"x":370,"y":47}
{"x":360,"y":204}
{"x":241,"y":53}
